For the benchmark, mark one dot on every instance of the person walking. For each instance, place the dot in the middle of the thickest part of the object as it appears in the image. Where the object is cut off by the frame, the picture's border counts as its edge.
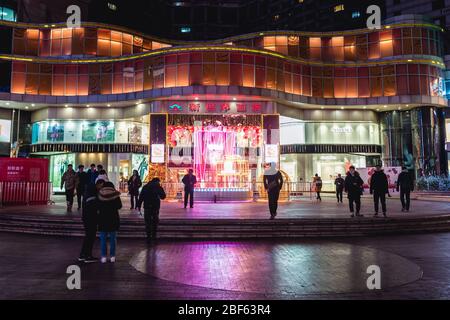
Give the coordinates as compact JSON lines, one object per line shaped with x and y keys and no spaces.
{"x":353,"y":185}
{"x":339,"y":183}
{"x":90,"y":220}
{"x":273,"y":182}
{"x":82,"y":182}
{"x":69,"y":182}
{"x":134,"y":183}
{"x":405,"y":184}
{"x":92,"y":174}
{"x":102,"y":176}
{"x":108,"y":219}
{"x":189,"y":181}
{"x":151,"y":195}
{"x":317,"y":186}
{"x":379,"y":187}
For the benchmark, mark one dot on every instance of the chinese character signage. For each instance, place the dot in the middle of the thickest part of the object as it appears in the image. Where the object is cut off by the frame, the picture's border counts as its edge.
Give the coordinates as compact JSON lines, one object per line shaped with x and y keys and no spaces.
{"x":224,"y":107}
{"x":24,"y":170}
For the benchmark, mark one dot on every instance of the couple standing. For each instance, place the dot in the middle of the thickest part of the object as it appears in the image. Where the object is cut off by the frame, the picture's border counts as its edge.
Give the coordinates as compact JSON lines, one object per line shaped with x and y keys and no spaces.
{"x":101,"y":206}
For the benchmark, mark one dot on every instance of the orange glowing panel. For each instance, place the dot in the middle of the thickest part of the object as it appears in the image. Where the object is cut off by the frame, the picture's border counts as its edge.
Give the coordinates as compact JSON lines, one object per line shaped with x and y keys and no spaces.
{"x":222,"y":74}
{"x":208,"y":74}
{"x":182,"y":75}
{"x":260,"y":77}
{"x":170,"y":76}
{"x":127,"y":38}
{"x":18,"y":83}
{"x":374,"y":50}
{"x":386,"y":48}
{"x":83,"y":85}
{"x":58,"y":85}
{"x":314,"y":48}
{"x":104,"y":34}
{"x":71,"y":85}
{"x":389,"y":86}
{"x":103,"y":47}
{"x":117,"y":83}
{"x":338,"y":48}
{"x":339,"y":88}
{"x":352,"y":87}
{"x":269,"y":42}
{"x":67,"y":33}
{"x":116,"y":48}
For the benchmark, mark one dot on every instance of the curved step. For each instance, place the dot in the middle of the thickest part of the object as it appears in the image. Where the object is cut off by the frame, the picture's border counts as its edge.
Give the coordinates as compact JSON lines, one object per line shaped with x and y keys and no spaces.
{"x":233,"y":228}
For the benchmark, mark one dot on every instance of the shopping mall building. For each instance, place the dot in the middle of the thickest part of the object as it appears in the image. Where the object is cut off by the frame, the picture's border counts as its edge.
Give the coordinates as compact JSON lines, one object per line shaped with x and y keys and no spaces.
{"x":312,"y":102}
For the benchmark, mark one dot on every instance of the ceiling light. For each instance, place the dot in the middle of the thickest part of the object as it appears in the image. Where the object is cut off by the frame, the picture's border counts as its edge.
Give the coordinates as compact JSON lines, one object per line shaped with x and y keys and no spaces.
{"x":108,"y":105}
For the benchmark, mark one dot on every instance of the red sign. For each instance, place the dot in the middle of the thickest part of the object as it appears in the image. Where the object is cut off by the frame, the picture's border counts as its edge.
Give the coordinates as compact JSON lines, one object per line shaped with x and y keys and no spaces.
{"x":194,"y":107}
{"x":24,"y":170}
{"x":256,"y":107}
{"x":211,"y":107}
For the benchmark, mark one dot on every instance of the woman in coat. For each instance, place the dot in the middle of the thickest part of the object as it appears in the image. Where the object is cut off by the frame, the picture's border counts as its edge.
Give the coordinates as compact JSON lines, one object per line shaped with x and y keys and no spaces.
{"x":108,"y":219}
{"x":134,"y":183}
{"x":273,"y":182}
{"x":317,"y":186}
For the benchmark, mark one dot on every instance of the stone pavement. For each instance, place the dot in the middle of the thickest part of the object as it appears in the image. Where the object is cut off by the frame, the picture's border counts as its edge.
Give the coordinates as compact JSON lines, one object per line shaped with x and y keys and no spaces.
{"x":34,"y":267}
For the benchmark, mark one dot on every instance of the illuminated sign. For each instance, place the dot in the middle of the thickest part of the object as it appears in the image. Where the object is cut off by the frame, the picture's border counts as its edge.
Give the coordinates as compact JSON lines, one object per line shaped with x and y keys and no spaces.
{"x":157,"y":153}
{"x":185,"y":30}
{"x":271,"y":153}
{"x":342,"y":129}
{"x":216,"y":107}
{"x":175,"y":107}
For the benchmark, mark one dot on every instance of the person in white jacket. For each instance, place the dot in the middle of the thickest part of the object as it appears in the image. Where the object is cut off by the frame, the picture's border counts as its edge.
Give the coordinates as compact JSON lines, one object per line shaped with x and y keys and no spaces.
{"x":102,"y":176}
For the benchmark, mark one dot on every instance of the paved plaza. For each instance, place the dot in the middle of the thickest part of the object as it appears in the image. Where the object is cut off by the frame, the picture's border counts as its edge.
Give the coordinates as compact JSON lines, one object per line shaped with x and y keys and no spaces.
{"x":304,"y":207}
{"x":413,"y":266}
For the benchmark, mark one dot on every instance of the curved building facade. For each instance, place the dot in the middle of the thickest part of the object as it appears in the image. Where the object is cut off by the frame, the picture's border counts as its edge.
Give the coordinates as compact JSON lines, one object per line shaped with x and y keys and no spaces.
{"x":312,"y":102}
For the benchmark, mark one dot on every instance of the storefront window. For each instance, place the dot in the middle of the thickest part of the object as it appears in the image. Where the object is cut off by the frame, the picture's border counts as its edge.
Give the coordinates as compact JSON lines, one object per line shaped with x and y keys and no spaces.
{"x":303,"y":167}
{"x":294,"y":131}
{"x":58,"y":165}
{"x":97,"y":131}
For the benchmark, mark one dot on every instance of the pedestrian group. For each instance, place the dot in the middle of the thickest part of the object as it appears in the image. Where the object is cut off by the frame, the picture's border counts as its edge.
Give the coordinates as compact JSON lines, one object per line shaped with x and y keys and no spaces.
{"x":100,"y":201}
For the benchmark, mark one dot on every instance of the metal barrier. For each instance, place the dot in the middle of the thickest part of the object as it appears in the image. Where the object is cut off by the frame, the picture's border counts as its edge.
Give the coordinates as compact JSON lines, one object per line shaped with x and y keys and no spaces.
{"x":25,"y":193}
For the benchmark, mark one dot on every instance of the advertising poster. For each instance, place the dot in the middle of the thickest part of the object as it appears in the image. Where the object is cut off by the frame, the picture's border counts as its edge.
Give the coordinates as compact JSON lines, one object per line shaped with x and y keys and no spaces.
{"x":158,"y":153}
{"x":5,"y":131}
{"x":391,"y":173}
{"x":55,"y":133}
{"x":98,"y":131}
{"x":24,"y":170}
{"x":58,"y":165}
{"x":271,"y":153}
{"x":139,"y":162}
{"x":135,"y":133}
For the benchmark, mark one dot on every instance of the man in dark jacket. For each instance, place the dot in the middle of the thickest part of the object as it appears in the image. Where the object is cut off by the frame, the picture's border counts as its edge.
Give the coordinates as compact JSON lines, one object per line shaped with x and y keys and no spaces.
{"x":353,"y":185}
{"x":189,"y":182}
{"x":92,"y":174}
{"x":379,"y":187}
{"x":90,"y":220}
{"x":82,"y":181}
{"x":405,"y":184}
{"x":339,"y":183}
{"x":151,"y":195}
